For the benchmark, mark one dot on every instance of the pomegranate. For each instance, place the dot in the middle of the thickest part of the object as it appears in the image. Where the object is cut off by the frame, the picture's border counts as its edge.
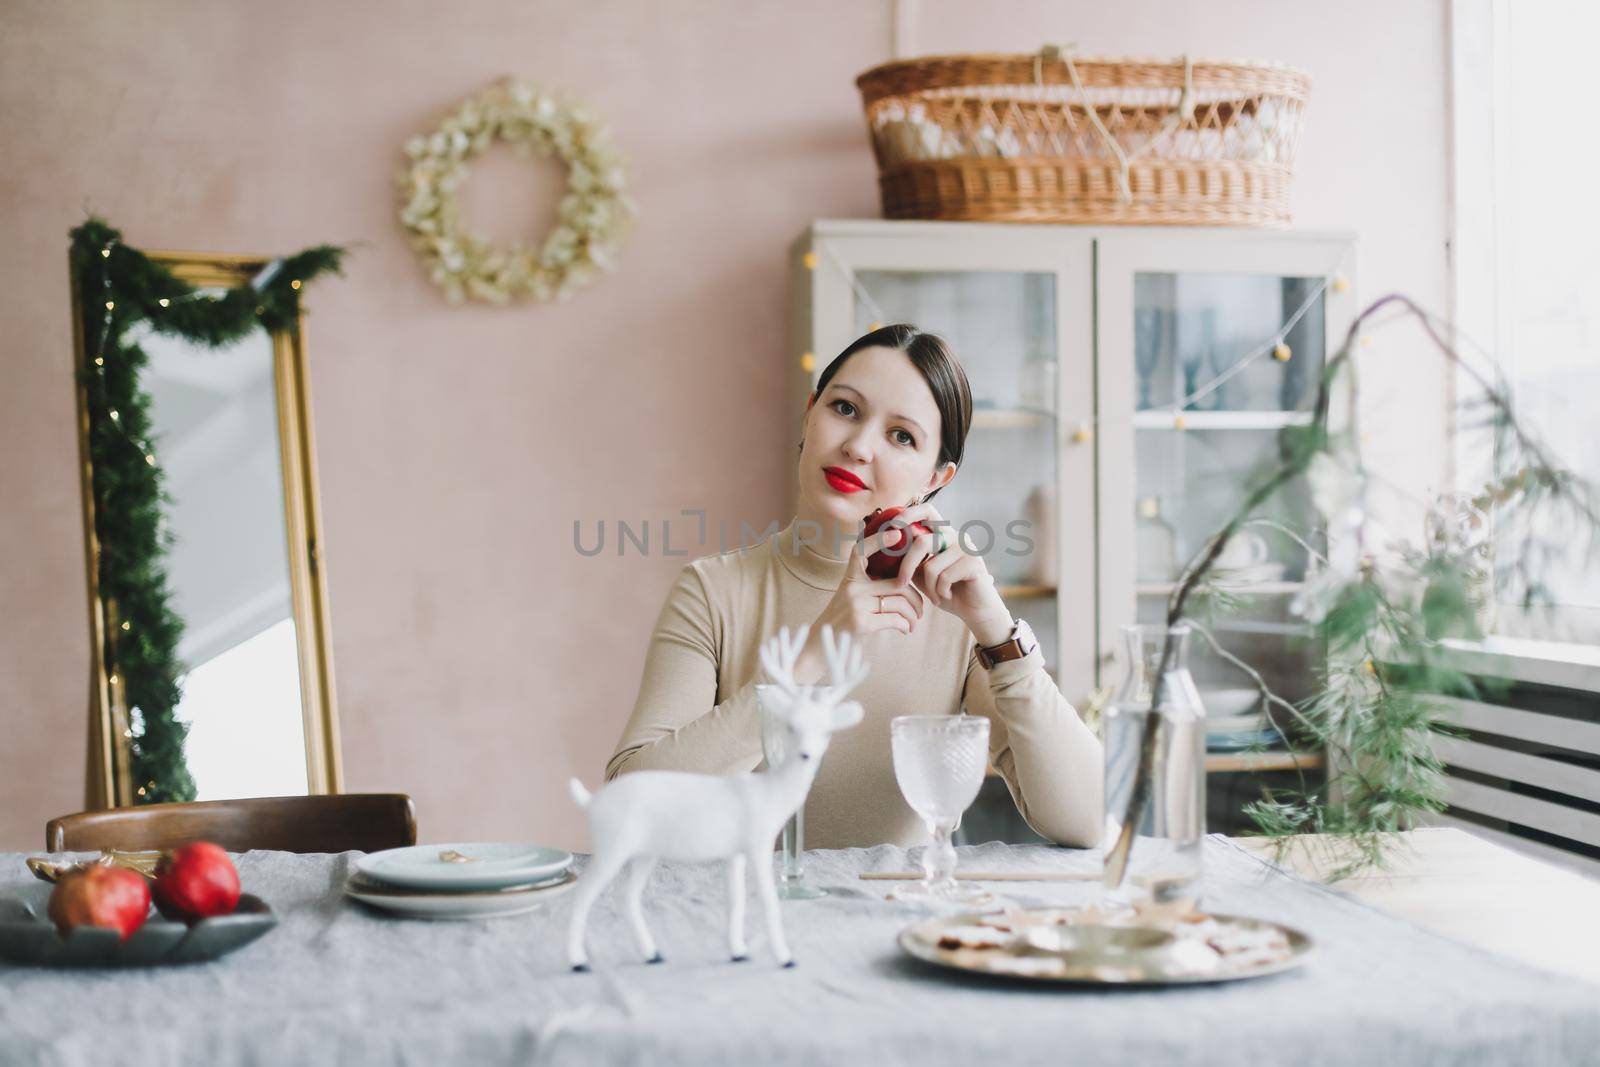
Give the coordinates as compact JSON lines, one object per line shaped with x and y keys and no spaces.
{"x":97,"y":895}
{"x":196,"y":881}
{"x":886,"y":563}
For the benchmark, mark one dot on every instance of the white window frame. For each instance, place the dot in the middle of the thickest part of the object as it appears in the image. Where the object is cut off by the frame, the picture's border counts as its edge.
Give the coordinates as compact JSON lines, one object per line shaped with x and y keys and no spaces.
{"x":1480,"y":176}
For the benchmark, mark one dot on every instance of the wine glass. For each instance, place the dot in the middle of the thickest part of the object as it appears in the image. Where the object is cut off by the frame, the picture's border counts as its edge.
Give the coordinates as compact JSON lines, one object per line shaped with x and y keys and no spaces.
{"x":939,"y":762}
{"x":771,"y":701}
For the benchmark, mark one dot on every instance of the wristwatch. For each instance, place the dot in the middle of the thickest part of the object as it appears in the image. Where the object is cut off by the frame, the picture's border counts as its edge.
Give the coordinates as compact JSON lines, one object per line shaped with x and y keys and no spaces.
{"x":1019,"y":644}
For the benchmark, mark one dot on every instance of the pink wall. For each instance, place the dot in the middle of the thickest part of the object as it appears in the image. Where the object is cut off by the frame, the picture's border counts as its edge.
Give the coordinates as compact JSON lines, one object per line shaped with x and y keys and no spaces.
{"x":480,"y":660}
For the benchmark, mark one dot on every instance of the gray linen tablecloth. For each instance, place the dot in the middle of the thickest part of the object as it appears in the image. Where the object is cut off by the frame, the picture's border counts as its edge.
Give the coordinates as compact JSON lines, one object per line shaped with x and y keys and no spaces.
{"x":337,"y":984}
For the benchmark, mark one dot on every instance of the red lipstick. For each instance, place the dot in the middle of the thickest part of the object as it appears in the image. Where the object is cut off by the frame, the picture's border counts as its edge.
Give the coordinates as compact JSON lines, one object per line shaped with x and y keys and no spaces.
{"x":843,"y":481}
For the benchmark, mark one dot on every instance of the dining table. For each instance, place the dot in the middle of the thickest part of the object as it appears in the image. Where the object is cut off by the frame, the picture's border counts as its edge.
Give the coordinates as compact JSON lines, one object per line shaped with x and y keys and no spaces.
{"x":1434,"y":982}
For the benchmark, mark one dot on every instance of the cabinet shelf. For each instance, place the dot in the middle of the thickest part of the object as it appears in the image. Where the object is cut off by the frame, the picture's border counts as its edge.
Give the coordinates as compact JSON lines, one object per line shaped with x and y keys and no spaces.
{"x":1239,"y":588}
{"x":1248,"y":762}
{"x":1220,"y":420}
{"x":1025,"y":592}
{"x":1238,"y":762}
{"x":1255,"y":626}
{"x":1010,"y":418}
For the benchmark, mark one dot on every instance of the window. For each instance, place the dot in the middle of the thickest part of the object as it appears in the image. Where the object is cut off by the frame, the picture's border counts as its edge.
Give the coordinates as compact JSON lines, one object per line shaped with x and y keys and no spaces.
{"x":1526,"y":255}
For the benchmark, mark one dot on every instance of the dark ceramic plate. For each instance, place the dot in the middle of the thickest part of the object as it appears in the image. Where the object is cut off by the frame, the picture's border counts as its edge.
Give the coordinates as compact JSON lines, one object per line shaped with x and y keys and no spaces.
{"x":26,"y":937}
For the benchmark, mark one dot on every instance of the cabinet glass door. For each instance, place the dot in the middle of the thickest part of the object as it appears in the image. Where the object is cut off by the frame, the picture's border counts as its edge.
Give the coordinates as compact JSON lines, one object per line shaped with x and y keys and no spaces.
{"x":1003,"y":327}
{"x":1210,"y":346}
{"x":1016,"y":304}
{"x":1214,"y":391}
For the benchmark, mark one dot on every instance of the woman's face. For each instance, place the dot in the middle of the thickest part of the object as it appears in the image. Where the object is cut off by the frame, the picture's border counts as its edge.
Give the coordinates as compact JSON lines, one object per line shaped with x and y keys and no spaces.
{"x":876,"y":421}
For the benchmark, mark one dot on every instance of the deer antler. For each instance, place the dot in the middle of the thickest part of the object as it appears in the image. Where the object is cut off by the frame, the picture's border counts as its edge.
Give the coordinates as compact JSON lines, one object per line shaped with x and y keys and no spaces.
{"x":778,"y":656}
{"x":844,"y":663}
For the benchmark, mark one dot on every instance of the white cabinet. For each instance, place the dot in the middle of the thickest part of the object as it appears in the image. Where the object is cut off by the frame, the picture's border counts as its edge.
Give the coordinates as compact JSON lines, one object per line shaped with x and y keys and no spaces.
{"x":1112,"y":414}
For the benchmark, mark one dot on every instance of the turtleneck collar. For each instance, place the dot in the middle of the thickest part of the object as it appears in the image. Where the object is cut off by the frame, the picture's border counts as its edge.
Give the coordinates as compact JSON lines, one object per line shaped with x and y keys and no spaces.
{"x":809,"y":561}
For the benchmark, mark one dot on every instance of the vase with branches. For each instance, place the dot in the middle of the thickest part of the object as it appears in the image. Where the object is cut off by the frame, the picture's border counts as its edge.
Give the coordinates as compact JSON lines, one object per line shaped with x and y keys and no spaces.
{"x":1379,"y":609}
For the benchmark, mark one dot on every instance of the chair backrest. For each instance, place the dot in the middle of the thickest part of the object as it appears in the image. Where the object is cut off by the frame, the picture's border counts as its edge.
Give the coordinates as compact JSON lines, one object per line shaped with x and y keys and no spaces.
{"x":338,"y":822}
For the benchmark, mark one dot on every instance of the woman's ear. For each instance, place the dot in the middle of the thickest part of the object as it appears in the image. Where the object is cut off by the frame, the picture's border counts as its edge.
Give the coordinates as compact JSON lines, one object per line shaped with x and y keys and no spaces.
{"x":941,"y":478}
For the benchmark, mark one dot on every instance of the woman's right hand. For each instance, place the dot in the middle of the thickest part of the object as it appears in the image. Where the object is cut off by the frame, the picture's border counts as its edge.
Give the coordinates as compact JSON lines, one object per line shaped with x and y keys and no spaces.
{"x":855,"y":606}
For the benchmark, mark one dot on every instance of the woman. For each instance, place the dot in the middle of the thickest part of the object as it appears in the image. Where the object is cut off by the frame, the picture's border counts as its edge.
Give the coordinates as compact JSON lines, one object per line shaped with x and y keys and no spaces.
{"x":885,"y":427}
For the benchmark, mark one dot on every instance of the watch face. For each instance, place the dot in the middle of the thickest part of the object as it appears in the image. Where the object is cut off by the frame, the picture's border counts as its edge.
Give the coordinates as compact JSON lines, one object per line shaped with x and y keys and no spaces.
{"x":1025,"y":638}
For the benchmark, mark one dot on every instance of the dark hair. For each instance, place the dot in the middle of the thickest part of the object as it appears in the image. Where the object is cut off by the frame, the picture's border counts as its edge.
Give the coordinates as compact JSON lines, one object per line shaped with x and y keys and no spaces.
{"x":936,"y":361}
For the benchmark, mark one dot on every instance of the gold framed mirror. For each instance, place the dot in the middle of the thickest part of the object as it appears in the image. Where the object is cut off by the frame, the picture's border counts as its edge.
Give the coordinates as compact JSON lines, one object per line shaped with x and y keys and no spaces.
{"x":228,"y":429}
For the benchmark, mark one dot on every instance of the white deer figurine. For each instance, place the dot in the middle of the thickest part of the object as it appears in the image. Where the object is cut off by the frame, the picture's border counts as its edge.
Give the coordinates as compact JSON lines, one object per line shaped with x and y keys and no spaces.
{"x":644,"y":816}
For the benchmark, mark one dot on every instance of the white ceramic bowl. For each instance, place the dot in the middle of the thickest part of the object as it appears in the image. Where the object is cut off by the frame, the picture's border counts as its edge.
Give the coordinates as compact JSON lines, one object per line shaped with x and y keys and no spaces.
{"x":1228,"y":703}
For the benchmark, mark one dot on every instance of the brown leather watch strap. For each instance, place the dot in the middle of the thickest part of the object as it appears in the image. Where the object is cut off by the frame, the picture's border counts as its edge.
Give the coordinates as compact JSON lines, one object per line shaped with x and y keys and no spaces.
{"x":1009,"y":649}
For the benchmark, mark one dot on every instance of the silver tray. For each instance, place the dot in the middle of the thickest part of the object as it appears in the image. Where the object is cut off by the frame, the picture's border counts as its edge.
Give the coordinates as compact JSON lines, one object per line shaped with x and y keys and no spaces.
{"x":921,"y":940}
{"x":27,"y":938}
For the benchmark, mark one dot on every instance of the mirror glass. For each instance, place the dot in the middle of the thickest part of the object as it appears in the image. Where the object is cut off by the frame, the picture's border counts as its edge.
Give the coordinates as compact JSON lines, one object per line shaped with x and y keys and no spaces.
{"x":215,"y":420}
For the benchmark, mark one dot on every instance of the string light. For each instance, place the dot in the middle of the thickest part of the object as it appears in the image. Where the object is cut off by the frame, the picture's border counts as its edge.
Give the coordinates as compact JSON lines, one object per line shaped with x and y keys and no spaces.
{"x":808,"y":362}
{"x":874,"y":326}
{"x":113,"y":679}
{"x":1179,"y":422}
{"x":127,"y":625}
{"x":1281,"y":352}
{"x":810,"y":260}
{"x":1082,"y":434}
{"x":99,"y":360}
{"x":1340,"y":283}
{"x":105,"y":253}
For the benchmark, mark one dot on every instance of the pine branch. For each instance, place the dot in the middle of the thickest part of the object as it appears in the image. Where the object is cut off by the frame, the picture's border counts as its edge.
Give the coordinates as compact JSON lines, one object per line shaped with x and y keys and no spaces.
{"x":1374,"y":713}
{"x":118,"y":288}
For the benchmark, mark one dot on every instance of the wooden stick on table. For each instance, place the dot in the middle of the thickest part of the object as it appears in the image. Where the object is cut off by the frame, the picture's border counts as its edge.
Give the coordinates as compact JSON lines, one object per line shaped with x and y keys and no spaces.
{"x":988,"y":876}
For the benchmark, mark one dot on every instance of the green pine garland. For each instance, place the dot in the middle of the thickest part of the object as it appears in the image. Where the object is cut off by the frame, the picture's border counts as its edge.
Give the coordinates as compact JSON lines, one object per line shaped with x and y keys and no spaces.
{"x":120,"y":287}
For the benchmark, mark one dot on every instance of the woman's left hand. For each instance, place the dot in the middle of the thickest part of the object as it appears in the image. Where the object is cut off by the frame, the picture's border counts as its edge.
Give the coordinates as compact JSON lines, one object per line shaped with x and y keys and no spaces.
{"x":953,"y":579}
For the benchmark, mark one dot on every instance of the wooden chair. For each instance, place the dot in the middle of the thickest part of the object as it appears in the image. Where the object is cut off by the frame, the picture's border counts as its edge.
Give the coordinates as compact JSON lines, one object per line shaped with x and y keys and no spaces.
{"x":366,"y":822}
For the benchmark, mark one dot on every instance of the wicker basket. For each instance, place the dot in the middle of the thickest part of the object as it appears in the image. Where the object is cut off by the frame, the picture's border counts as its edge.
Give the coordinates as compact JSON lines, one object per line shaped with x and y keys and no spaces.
{"x":1059,"y":138}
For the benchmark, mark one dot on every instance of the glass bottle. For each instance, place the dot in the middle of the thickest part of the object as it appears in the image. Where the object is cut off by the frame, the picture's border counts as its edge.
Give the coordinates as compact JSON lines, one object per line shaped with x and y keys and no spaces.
{"x":1155,"y":544}
{"x":1161,"y":857}
{"x":1040,"y":511}
{"x":771,"y":701}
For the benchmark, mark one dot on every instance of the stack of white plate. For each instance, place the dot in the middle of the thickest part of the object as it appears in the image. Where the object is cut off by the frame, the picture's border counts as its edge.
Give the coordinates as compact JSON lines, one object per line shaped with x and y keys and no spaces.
{"x":1234,"y":719}
{"x":461,"y":881}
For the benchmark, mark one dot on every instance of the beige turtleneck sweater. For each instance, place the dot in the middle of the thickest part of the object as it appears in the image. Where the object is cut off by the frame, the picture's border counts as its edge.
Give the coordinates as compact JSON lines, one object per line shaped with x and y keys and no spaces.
{"x":696,"y":709}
